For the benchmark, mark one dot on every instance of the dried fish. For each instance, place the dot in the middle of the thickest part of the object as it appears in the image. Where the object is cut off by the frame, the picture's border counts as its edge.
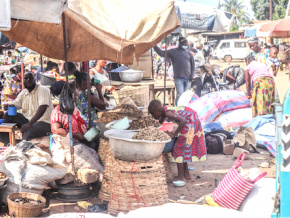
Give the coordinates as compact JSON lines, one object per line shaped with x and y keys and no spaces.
{"x":27,"y":201}
{"x":143,"y":122}
{"x":108,"y":117}
{"x":151,"y":134}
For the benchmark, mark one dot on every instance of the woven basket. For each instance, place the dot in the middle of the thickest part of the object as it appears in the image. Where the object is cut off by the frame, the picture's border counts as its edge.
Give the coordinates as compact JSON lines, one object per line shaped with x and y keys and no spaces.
{"x":137,"y":184}
{"x":105,"y":190}
{"x":25,"y":210}
{"x":140,"y":95}
{"x":103,"y":150}
{"x":167,"y":166}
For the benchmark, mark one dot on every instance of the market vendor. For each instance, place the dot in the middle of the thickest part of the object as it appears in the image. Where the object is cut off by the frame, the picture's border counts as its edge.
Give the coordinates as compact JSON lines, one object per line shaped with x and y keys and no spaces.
{"x":98,"y":72}
{"x":97,"y":102}
{"x":36,"y":105}
{"x":190,"y":143}
{"x":60,"y":123}
{"x":257,"y":51}
{"x":263,"y":93}
{"x":12,"y":87}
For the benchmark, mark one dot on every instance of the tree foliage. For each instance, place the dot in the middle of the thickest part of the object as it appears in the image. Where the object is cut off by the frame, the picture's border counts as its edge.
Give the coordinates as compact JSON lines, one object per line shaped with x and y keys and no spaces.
{"x":261,"y":8}
{"x":236,"y":7}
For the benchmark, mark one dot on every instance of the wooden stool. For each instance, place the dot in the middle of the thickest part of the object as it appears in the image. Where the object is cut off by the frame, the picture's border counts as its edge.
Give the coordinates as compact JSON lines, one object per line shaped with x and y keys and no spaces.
{"x":10,"y":128}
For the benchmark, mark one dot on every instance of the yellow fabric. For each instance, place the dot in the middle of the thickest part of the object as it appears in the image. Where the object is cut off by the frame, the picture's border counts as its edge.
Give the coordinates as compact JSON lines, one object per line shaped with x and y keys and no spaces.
{"x":29,"y":102}
{"x":111,"y":30}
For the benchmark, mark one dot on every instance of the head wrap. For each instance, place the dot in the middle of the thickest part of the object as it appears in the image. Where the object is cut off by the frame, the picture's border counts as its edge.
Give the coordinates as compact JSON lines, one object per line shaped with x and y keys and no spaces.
{"x":182,"y":39}
{"x":253,"y":39}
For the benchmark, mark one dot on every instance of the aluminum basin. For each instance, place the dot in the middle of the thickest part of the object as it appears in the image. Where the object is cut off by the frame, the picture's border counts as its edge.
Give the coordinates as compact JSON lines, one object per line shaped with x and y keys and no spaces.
{"x":131,"y":75}
{"x":125,"y":148}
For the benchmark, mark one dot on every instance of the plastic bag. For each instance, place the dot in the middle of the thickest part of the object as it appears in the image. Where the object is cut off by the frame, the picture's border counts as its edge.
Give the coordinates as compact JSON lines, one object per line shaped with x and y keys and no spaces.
{"x":66,"y":101}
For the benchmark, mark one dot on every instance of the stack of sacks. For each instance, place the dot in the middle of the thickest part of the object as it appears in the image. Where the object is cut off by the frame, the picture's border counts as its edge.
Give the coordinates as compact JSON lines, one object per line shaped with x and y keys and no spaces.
{"x":29,"y":169}
{"x":84,"y":158}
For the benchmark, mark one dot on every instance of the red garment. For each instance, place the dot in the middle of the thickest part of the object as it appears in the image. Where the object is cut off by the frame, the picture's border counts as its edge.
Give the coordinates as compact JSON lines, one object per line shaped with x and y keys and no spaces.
{"x":78,"y":124}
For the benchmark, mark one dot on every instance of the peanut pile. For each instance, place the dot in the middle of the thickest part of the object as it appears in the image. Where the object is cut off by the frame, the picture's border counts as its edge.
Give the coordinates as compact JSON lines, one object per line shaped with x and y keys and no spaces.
{"x":144,"y":122}
{"x":108,"y":117}
{"x":151,"y":134}
{"x":128,"y":110}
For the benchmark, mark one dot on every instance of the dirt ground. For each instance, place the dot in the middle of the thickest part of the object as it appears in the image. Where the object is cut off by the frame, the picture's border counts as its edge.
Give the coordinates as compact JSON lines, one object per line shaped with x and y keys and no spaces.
{"x":204,"y":173}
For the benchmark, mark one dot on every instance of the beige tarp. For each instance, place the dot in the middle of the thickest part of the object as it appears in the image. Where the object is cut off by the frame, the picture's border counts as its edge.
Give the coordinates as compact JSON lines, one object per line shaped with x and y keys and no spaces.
{"x":101,"y":29}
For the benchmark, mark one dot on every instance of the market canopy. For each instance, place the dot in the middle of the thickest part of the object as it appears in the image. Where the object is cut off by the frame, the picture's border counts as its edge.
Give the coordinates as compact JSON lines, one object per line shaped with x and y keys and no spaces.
{"x":112,"y":30}
{"x":200,"y":17}
{"x":277,"y":28}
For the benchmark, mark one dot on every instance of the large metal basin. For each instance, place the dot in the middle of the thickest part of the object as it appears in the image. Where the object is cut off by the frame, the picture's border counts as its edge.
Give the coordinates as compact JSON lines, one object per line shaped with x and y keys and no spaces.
{"x":131,"y":75}
{"x":125,"y":148}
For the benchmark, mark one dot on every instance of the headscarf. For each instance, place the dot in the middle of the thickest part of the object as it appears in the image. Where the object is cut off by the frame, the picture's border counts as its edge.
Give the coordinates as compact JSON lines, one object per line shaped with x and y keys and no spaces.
{"x":253,"y":39}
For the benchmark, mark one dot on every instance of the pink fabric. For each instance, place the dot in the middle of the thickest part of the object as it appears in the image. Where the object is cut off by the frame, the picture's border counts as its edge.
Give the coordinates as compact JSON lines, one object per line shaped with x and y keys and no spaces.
{"x":257,"y":69}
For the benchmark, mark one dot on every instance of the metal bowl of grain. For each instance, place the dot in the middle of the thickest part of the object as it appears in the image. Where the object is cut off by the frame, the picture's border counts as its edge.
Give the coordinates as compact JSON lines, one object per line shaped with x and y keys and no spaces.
{"x":3,"y":178}
{"x":125,"y":148}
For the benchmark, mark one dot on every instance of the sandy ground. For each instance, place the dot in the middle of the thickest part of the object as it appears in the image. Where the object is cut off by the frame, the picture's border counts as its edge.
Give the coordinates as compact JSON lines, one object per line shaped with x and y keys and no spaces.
{"x":203,"y":174}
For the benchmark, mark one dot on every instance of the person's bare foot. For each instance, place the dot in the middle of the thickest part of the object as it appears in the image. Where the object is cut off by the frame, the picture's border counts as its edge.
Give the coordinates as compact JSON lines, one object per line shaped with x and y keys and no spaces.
{"x":180,"y":179}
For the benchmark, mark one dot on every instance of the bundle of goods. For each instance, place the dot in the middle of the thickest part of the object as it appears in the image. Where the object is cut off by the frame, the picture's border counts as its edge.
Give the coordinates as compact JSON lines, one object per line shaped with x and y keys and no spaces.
{"x":29,"y":169}
{"x":209,"y":106}
{"x":144,"y":122}
{"x":236,"y":185}
{"x":137,"y":184}
{"x":151,"y":134}
{"x":107,"y":117}
{"x":140,"y":95}
{"x":128,"y":110}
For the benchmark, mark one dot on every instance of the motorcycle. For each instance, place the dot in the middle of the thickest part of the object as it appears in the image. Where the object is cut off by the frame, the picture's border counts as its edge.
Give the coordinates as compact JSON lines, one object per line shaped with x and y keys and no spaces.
{"x":211,"y":79}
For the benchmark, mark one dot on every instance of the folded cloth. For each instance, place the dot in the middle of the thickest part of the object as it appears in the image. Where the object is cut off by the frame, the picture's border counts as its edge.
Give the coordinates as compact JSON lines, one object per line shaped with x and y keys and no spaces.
{"x":260,"y":121}
{"x":212,"y":127}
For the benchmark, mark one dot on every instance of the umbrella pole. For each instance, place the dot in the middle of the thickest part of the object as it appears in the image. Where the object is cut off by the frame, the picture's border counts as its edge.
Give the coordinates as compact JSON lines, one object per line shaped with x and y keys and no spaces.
{"x":165,"y":57}
{"x":69,"y":116}
{"x":89,"y":95}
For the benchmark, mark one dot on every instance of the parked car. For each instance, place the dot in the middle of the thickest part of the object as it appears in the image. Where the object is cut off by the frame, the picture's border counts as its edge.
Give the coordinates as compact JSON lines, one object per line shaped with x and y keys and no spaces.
{"x":231,"y":49}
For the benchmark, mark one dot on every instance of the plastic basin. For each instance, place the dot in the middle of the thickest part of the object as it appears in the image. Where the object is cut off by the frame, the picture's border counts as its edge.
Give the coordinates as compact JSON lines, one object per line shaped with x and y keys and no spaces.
{"x":125,"y":148}
{"x":1,"y":121}
{"x":167,"y":127}
{"x":12,"y":111}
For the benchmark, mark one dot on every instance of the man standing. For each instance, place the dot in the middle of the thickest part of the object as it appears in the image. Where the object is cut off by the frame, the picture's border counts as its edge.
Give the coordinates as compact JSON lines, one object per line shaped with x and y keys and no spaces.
{"x":35,"y":102}
{"x":183,"y":65}
{"x":8,"y":58}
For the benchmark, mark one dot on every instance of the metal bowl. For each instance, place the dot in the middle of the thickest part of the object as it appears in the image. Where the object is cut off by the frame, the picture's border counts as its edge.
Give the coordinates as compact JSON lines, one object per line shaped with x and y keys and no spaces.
{"x":128,"y":149}
{"x":131,"y":75}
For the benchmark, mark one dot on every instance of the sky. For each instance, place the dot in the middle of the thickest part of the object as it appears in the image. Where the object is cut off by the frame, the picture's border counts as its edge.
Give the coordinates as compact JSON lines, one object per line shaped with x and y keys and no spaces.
{"x":214,"y":3}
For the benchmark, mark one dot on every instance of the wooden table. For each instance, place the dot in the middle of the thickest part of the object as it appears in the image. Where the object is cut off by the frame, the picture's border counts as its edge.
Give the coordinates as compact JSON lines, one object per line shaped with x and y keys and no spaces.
{"x":10,"y":128}
{"x":170,"y":89}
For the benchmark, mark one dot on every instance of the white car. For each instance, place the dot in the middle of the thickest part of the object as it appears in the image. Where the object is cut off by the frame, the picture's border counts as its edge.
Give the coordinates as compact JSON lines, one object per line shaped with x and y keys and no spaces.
{"x":231,"y":49}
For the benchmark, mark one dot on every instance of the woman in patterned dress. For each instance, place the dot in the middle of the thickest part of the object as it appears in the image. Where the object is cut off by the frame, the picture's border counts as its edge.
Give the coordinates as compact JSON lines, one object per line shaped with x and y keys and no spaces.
{"x":97,"y":102}
{"x":12,"y":87}
{"x":263,"y":93}
{"x":190,"y":144}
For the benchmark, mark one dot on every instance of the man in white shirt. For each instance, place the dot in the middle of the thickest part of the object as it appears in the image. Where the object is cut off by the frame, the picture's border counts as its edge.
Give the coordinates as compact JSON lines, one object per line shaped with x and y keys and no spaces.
{"x":8,"y":58}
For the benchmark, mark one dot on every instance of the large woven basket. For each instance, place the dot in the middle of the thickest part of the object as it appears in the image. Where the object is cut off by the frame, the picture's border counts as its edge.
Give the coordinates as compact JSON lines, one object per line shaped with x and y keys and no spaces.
{"x":25,"y":210}
{"x":104,"y":148}
{"x":105,"y":190}
{"x":137,"y":184}
{"x":139,"y":94}
{"x":167,"y":166}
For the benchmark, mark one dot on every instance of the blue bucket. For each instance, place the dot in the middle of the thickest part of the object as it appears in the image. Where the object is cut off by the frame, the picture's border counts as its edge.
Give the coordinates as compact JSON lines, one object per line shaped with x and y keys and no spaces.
{"x":12,"y":111}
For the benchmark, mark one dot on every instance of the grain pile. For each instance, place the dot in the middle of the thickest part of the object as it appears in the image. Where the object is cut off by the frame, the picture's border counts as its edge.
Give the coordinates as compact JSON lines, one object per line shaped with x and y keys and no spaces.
{"x":144,"y":122}
{"x":151,"y":134}
{"x":108,"y":117}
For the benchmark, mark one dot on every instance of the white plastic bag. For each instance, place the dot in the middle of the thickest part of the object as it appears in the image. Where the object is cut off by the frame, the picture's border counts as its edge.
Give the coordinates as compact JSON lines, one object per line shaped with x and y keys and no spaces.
{"x":39,"y":157}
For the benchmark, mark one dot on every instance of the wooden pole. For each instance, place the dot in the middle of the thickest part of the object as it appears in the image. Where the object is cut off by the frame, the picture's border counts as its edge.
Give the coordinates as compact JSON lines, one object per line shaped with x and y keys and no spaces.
{"x":22,"y":75}
{"x":66,"y":74}
{"x":165,"y":57}
{"x":89,"y":95}
{"x":41,"y":64}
